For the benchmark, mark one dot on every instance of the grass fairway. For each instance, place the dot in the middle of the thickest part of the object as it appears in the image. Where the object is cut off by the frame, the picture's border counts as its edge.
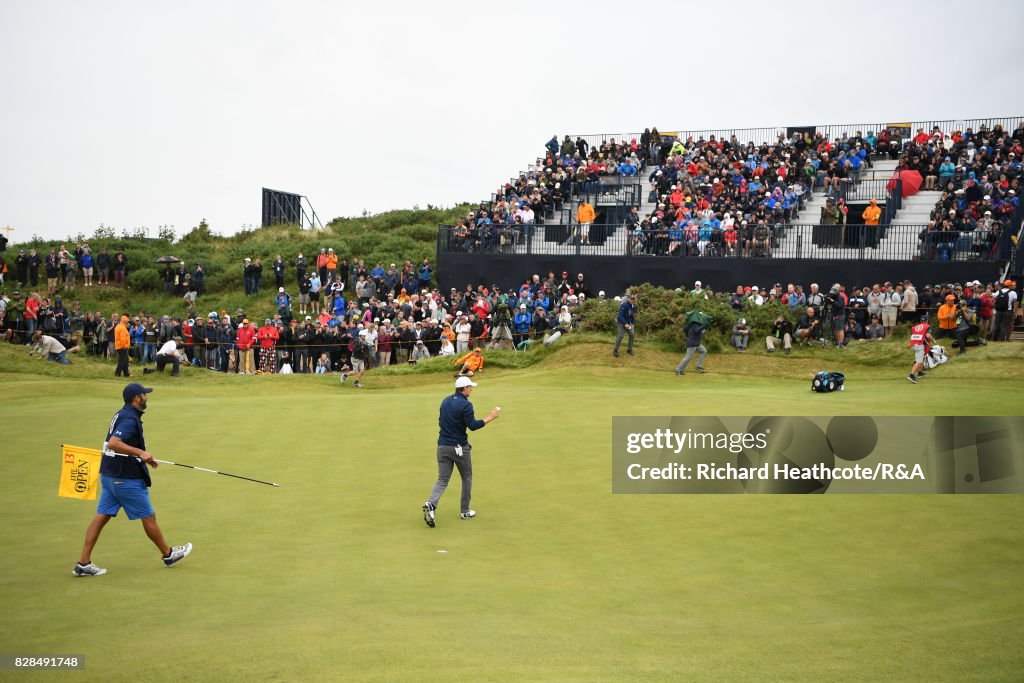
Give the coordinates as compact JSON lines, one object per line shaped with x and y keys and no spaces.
{"x":334,"y":576}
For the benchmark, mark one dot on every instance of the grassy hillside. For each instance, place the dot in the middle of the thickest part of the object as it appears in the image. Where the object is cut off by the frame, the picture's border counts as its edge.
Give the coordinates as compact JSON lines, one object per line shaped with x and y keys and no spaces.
{"x":389,"y":237}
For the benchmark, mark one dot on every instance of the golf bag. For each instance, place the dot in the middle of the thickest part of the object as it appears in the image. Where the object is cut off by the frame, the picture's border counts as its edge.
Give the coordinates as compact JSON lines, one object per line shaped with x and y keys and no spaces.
{"x":825,"y":382}
{"x":936,"y":356}
{"x":552,"y":338}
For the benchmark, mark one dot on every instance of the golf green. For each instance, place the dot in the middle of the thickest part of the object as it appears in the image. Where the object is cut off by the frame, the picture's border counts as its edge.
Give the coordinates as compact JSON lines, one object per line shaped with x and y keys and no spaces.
{"x":334,"y":576}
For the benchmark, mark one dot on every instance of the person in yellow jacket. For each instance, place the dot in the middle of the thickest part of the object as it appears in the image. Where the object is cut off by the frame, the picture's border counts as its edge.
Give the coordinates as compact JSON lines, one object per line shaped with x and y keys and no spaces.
{"x":122,"y":343}
{"x":872,"y":214}
{"x":472,"y":363}
{"x":584,"y":217}
{"x":947,"y":318}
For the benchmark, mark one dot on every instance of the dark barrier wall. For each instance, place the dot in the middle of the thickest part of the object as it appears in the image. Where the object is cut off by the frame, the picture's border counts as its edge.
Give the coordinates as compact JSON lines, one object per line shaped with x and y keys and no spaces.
{"x":614,"y":273}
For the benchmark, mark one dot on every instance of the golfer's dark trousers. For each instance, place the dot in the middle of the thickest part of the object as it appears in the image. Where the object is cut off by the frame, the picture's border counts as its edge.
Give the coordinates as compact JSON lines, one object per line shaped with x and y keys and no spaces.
{"x":447,"y":459}
{"x":122,"y":363}
{"x":162,"y":361}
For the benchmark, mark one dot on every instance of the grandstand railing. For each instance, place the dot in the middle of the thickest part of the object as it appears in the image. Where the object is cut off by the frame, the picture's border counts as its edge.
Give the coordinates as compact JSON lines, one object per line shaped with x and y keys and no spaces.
{"x":770,"y":134}
{"x":888,"y":242}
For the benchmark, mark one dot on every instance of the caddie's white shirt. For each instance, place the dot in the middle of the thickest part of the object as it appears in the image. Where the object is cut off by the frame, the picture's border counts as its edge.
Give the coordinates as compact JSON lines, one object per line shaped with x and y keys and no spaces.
{"x":168,"y":349}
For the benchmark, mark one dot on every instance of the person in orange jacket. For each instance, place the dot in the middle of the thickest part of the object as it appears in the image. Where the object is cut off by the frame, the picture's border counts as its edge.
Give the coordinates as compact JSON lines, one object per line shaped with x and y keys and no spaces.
{"x":122,"y":343}
{"x":472,"y":363}
{"x":332,"y":265}
{"x":947,"y":318}
{"x":872,"y":214}
{"x":584,"y":217}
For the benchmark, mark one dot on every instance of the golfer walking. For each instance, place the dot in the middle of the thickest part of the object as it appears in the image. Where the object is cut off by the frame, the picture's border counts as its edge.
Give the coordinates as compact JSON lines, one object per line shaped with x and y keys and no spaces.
{"x":626,"y":319}
{"x":453,"y":449}
{"x":125,"y":481}
{"x":695,"y":328}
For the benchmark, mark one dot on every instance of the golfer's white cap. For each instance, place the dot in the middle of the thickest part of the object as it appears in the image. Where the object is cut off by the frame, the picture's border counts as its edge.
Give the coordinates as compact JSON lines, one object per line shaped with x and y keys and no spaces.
{"x":464,"y":382}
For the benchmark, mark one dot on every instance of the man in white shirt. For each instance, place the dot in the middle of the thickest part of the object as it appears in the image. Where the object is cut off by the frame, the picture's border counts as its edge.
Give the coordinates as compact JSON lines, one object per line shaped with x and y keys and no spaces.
{"x":54,"y":350}
{"x":168,"y":353}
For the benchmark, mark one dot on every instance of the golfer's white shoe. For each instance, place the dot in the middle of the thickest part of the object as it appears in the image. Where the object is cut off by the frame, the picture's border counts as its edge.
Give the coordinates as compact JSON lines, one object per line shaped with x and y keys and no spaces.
{"x":470,"y":514}
{"x":178,"y":553}
{"x":88,"y":570}
{"x":428,"y":514}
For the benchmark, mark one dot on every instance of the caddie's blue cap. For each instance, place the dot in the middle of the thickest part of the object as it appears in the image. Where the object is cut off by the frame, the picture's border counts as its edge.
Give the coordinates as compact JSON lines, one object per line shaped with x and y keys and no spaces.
{"x":133,"y":390}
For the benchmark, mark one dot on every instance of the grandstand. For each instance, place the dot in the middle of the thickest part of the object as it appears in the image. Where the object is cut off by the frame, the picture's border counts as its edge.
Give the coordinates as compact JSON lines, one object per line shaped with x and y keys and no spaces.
{"x":763,"y":200}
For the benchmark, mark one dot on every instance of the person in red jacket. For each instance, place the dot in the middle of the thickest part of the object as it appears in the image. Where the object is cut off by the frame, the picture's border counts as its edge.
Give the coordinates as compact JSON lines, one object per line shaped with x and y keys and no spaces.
{"x":268,"y":337}
{"x":245,"y":340}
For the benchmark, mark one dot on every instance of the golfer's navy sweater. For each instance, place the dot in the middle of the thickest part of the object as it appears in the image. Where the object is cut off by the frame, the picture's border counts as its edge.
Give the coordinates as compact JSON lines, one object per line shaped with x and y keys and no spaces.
{"x":456,"y":415}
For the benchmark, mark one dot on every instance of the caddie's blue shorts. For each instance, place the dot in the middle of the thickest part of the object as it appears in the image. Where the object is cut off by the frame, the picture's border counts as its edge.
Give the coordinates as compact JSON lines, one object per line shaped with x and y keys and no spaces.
{"x":130,"y":494}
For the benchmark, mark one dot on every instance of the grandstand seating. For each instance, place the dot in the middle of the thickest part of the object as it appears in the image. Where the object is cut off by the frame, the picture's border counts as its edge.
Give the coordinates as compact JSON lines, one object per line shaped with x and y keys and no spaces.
{"x":783,"y":183}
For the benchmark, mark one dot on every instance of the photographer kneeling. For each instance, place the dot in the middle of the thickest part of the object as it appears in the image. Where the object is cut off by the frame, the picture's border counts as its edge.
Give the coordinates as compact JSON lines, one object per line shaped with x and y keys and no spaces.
{"x":966,"y":326}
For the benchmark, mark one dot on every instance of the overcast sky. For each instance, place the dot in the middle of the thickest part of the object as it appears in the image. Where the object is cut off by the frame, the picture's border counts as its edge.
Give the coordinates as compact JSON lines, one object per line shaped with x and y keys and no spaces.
{"x":147,"y":114}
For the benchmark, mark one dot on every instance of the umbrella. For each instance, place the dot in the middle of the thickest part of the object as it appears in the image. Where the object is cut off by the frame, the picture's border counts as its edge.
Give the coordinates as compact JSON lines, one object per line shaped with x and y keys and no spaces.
{"x":699,"y":317}
{"x":911,"y":182}
{"x":168,"y":259}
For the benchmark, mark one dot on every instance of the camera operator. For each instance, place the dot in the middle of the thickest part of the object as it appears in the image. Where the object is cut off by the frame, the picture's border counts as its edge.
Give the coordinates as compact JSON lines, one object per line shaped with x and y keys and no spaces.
{"x":835,"y":312}
{"x":966,"y":326}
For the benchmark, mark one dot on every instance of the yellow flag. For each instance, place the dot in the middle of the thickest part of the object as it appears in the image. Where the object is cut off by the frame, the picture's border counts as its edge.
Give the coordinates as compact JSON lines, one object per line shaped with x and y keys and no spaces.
{"x":79,"y":472}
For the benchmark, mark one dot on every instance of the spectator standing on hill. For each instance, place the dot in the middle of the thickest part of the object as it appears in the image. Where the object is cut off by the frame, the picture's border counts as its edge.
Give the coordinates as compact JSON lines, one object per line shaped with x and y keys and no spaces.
{"x":306,"y":293}
{"x":34,"y":262}
{"x":278,"y":267}
{"x":199,"y":279}
{"x":247,"y":276}
{"x":625,"y":320}
{"x":103,"y":266}
{"x":52,"y":268}
{"x":301,"y":265}
{"x":321,"y":264}
{"x":257,"y":276}
{"x":88,"y":264}
{"x":332,"y":266}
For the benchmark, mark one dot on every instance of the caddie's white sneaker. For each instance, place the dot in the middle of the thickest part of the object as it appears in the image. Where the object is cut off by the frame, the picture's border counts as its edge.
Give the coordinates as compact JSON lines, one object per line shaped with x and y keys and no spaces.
{"x":428,"y":514}
{"x":178,"y":553}
{"x":468,"y":515}
{"x":88,"y":570}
